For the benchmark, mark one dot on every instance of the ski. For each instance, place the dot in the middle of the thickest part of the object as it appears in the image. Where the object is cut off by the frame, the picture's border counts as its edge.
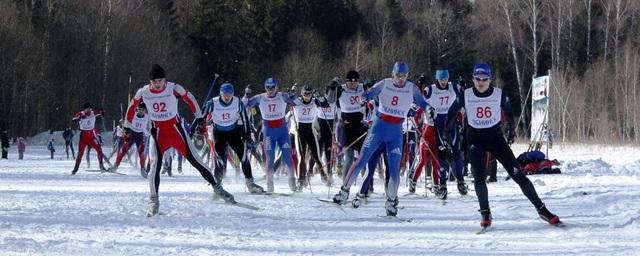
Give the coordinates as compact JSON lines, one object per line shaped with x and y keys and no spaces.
{"x":244,"y":205}
{"x":276,"y":194}
{"x":394,"y":218}
{"x":107,"y":171}
{"x":484,"y":230}
{"x":330,"y":202}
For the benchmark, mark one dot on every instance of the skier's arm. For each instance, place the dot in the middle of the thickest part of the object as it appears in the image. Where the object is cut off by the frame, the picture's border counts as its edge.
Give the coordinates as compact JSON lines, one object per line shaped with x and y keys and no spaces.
{"x":417,"y":97}
{"x":290,"y":99}
{"x":251,"y":102}
{"x":188,"y":98}
{"x":451,"y":115}
{"x":373,"y":92}
{"x":131,"y":109}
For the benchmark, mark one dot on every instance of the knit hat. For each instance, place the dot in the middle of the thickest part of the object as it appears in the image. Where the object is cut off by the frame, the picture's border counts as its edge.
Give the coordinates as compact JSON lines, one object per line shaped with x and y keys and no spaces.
{"x":156,"y":72}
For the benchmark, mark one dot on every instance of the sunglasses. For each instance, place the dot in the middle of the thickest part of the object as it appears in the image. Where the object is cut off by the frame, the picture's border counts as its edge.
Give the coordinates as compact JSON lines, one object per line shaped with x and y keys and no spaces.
{"x":481,"y":79}
{"x":306,"y":94}
{"x":268,"y":87}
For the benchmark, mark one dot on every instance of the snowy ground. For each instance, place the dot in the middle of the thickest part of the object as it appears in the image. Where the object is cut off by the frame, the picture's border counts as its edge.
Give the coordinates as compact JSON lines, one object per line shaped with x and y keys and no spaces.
{"x":44,"y":211}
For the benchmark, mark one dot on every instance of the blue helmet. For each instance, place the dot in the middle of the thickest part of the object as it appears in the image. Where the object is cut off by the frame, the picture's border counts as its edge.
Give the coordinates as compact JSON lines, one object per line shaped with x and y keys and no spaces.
{"x":226,"y":88}
{"x":442,"y":74}
{"x":270,"y":83}
{"x":400,"y":67}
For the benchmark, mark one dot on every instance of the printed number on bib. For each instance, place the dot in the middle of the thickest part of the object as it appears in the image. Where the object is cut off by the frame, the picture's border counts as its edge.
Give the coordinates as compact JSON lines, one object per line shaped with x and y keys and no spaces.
{"x":305,"y":111}
{"x":354,"y":99}
{"x":226,"y":116}
{"x":159,"y":107}
{"x":394,"y":100}
{"x":444,"y":100}
{"x":483,"y":112}
{"x":272,"y":107}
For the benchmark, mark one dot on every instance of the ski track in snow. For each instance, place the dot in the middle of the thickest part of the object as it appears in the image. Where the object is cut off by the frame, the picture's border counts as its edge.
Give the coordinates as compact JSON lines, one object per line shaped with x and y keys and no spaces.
{"x":44,"y":211}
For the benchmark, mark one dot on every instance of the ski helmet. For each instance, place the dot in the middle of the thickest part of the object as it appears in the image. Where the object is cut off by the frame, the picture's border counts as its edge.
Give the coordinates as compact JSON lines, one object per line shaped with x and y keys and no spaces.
{"x":226,"y":88}
{"x":442,"y":74}
{"x":270,"y":83}
{"x":306,"y":89}
{"x":400,"y":67}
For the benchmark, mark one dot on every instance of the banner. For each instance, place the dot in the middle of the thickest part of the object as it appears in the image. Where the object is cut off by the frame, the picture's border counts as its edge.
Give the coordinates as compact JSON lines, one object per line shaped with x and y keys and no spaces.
{"x":539,"y":108}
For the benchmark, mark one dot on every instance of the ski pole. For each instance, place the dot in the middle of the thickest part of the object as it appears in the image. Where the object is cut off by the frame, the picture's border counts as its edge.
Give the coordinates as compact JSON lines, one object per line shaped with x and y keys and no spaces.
{"x":213,"y":83}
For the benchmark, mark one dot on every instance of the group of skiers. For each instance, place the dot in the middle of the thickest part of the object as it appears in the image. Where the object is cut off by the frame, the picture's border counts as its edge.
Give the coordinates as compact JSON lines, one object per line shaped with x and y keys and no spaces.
{"x":350,"y":127}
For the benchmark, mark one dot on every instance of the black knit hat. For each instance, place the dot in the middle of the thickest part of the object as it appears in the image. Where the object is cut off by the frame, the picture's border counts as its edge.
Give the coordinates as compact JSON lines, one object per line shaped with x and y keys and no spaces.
{"x":353,"y":76}
{"x":87,"y":105}
{"x":156,"y":72}
{"x":142,"y":105}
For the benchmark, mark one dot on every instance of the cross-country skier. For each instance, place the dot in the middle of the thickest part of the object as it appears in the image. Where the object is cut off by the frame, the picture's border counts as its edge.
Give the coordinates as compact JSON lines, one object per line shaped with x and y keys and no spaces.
{"x":231,"y":128}
{"x":326,"y":120}
{"x":273,"y":105}
{"x":484,"y":105}
{"x":86,"y":122}
{"x":351,"y":126}
{"x":304,"y":116}
{"x":140,"y":125}
{"x":441,"y":96}
{"x":395,"y":96}
{"x":162,"y":98}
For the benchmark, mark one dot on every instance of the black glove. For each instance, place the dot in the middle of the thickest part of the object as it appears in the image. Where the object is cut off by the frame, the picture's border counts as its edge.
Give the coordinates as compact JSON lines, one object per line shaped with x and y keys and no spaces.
{"x":432,"y":113}
{"x":335,"y":82}
{"x":446,"y":150}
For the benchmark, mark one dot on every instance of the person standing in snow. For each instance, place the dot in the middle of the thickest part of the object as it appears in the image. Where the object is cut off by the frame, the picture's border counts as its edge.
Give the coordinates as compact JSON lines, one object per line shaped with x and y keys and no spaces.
{"x":231,"y":129}
{"x":484,"y":105}
{"x":51,"y":145}
{"x":88,"y":137}
{"x":4,"y":137}
{"x":67,"y":135}
{"x":395,"y":96}
{"x":161,"y":97}
{"x":22,"y":146}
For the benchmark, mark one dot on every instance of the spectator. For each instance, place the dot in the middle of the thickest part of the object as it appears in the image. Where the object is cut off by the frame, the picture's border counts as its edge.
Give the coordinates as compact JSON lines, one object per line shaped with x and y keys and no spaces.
{"x":5,"y":142}
{"x":22,"y":146}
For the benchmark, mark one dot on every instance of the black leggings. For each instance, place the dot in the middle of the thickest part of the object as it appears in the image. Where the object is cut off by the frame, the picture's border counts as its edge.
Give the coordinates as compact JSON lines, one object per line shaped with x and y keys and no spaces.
{"x":234,"y":141}
{"x":306,"y":140}
{"x":491,"y":140}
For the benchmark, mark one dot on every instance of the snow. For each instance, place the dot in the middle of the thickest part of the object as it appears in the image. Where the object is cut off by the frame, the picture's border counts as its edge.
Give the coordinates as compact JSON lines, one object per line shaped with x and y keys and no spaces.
{"x":44,"y":211}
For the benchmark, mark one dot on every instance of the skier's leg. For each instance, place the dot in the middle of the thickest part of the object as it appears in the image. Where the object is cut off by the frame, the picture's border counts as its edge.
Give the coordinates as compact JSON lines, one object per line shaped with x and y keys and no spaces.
{"x":503,"y":153}
{"x":476,"y":158}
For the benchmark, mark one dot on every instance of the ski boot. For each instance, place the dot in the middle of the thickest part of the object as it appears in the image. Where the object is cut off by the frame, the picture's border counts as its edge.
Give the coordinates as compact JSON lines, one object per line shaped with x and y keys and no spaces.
{"x":391,"y":206}
{"x":74,"y":171}
{"x":441,"y":192}
{"x":462,"y":188}
{"x":102,"y":168}
{"x":486,"y":218}
{"x":547,"y":216}
{"x":492,"y":179}
{"x":154,"y":204}
{"x":412,"y":186}
{"x":342,"y":196}
{"x":357,"y":201}
{"x":180,"y":169}
{"x":253,"y":187}
{"x":292,"y":184}
{"x":270,"y":186}
{"x":143,"y":172}
{"x":325,"y":180}
{"x":302,"y":183}
{"x":221,"y":193}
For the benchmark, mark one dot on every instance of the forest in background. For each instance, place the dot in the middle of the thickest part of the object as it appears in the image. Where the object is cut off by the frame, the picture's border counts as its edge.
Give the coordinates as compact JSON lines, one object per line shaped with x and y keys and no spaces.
{"x":57,"y":54}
